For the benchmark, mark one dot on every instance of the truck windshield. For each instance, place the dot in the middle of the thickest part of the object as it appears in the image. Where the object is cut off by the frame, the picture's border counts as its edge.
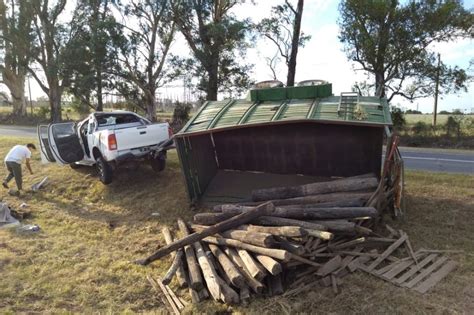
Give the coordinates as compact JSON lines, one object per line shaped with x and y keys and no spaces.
{"x":118,"y":119}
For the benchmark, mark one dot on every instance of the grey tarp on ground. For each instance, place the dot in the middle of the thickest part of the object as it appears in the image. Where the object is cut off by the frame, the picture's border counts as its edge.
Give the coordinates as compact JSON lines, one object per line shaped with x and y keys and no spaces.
{"x":5,"y":216}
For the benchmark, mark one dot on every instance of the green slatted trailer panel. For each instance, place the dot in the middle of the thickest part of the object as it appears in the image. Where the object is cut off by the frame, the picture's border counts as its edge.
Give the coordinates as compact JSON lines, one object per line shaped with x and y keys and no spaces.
{"x":233,"y":114}
{"x":263,"y":112}
{"x":204,"y":118}
{"x":295,"y":109}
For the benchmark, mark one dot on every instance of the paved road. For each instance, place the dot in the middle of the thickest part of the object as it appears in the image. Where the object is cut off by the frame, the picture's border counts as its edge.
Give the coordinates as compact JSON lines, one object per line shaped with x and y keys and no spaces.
{"x":416,"y":159}
{"x":17,"y":131}
{"x":438,"y":160}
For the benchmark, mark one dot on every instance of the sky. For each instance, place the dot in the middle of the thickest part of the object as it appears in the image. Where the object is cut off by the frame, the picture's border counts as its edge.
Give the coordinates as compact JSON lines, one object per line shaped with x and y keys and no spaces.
{"x":323,"y":56}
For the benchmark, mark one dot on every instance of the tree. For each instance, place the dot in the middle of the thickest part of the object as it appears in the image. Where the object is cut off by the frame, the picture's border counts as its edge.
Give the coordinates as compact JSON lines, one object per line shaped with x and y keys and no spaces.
{"x":142,"y":66}
{"x":15,"y":39}
{"x":91,"y":57}
{"x":50,"y":48}
{"x":283,"y":28}
{"x":214,"y":36}
{"x":392,"y":42}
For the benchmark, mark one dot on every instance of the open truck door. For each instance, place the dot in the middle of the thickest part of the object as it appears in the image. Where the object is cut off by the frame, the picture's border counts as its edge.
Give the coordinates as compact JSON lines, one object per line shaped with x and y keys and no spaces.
{"x":64,"y":143}
{"x":46,"y":153}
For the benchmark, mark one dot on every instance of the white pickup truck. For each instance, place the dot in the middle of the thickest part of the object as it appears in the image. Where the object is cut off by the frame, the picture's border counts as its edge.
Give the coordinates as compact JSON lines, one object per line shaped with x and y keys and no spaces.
{"x":106,"y":140}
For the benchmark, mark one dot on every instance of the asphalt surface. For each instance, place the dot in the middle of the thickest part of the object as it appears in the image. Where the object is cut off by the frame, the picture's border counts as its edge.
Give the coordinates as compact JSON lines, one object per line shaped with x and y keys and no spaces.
{"x":438,"y":160}
{"x":433,"y":160}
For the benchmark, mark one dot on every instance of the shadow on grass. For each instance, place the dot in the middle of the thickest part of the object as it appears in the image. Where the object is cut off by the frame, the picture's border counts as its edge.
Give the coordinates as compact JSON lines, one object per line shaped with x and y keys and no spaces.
{"x":136,"y":195}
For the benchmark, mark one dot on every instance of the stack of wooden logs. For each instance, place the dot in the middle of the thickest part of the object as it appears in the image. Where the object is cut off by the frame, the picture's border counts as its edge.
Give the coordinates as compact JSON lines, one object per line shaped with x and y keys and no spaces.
{"x":286,"y":235}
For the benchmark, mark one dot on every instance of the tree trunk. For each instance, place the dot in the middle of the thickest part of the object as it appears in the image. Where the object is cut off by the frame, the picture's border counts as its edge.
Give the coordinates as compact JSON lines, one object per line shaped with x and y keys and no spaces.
{"x":100,"y":104}
{"x":151,"y":105}
{"x":55,"y":103}
{"x":379,"y":84}
{"x":212,"y":84}
{"x":16,"y":85}
{"x":290,"y":81}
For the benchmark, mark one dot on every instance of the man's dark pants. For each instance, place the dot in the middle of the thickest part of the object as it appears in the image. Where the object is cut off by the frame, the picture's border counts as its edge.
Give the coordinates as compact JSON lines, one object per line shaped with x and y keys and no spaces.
{"x":14,"y":171}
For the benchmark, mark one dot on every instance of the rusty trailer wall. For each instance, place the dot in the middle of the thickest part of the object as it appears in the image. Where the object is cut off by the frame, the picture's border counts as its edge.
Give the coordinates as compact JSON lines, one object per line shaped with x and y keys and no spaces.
{"x":307,"y":148}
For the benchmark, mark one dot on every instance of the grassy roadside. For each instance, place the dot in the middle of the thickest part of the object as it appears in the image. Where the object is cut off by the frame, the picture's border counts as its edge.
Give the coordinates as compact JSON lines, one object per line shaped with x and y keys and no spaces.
{"x":80,"y":260}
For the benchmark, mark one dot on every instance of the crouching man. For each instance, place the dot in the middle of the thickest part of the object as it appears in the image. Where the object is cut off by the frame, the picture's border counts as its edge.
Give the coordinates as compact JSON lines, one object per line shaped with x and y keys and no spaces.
{"x":13,"y":162}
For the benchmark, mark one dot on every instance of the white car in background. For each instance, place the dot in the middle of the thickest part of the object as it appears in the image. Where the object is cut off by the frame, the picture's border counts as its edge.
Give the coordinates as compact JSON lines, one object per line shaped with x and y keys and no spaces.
{"x":106,"y":140}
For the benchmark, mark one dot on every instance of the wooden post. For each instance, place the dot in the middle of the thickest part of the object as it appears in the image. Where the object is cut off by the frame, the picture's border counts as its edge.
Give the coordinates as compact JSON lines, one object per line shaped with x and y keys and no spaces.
{"x":275,"y":253}
{"x":273,"y":266}
{"x":180,"y":274}
{"x":340,"y":185}
{"x":264,"y":209}
{"x":235,"y":277}
{"x":254,"y":267}
{"x":195,"y":277}
{"x":251,"y":237}
{"x":253,"y":283}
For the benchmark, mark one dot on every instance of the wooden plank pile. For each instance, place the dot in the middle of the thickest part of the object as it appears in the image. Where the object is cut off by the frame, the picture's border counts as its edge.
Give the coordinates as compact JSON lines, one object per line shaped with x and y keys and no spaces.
{"x":289,"y":240}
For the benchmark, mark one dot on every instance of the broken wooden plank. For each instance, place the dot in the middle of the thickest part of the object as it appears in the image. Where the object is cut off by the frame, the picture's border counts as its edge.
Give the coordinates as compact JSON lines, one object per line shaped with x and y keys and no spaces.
{"x":264,"y":209}
{"x":330,"y":266}
{"x":415,"y":269}
{"x":425,"y":272}
{"x":436,"y":277}
{"x":387,"y":252}
{"x":169,"y":305}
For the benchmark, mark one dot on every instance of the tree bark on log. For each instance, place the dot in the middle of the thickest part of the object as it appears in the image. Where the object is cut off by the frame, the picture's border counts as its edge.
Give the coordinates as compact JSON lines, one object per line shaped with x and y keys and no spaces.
{"x":316,"y":199}
{"x":209,"y":273}
{"x":174,"y":267}
{"x":288,"y":231}
{"x":251,"y":237}
{"x":254,"y":267}
{"x":301,"y":213}
{"x":274,"y":253}
{"x":339,"y":185}
{"x":195,"y":278}
{"x":240,"y":219}
{"x":180,"y":274}
{"x":235,"y":277}
{"x":268,"y":220}
{"x":273,"y":266}
{"x":253,"y":283}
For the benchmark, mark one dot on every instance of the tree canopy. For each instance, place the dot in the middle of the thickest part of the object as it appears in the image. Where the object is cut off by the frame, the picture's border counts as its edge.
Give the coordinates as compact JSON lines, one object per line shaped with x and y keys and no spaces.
{"x":283,"y":29}
{"x":393,"y":42}
{"x":217,"y":39}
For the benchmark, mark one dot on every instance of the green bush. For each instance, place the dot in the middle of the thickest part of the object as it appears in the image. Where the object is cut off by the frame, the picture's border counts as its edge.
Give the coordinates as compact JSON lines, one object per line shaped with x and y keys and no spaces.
{"x":181,"y":113}
{"x":80,"y":107}
{"x":44,"y":112}
{"x":420,"y":129}
{"x":398,"y":118}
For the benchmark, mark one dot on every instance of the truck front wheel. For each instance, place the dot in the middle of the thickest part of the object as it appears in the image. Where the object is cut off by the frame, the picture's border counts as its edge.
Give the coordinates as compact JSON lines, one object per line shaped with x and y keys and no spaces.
{"x":105,"y":171}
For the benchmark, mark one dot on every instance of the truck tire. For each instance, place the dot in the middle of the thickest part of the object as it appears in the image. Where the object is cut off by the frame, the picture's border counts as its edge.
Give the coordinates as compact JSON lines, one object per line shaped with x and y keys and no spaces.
{"x":105,"y":171}
{"x":75,"y":166}
{"x":158,"y":163}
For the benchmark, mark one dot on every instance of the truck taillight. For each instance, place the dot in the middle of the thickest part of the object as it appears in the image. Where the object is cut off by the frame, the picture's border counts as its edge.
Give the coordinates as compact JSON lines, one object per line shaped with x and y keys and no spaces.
{"x":112,"y":141}
{"x":170,"y":132}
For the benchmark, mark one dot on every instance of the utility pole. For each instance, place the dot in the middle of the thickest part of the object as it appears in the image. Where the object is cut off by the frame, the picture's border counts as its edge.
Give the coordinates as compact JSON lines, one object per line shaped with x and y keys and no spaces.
{"x":436,"y":92}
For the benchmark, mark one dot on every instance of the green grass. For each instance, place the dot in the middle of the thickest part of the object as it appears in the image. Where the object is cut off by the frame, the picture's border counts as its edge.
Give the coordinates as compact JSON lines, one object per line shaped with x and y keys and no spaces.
{"x":80,"y":261}
{"x":412,"y":119}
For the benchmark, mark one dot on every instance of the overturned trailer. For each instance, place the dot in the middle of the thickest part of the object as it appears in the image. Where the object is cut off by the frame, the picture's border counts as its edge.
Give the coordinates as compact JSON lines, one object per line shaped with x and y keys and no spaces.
{"x":278,"y":137}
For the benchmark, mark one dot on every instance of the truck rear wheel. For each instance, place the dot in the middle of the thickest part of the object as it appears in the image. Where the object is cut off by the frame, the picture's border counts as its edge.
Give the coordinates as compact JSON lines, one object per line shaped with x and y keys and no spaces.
{"x":158,"y":163}
{"x":105,"y":171}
